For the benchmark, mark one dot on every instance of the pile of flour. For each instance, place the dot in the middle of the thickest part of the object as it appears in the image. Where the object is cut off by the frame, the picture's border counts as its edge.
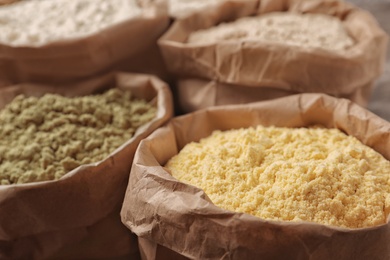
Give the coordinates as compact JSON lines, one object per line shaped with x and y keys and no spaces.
{"x":33,"y":23}
{"x":179,"y":7}
{"x":306,"y":30}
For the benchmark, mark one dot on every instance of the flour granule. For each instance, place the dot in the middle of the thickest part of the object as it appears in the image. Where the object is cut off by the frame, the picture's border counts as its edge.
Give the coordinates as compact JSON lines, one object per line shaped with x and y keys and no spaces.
{"x":304,"y":30}
{"x":44,"y":138}
{"x":33,"y":23}
{"x":303,"y":174}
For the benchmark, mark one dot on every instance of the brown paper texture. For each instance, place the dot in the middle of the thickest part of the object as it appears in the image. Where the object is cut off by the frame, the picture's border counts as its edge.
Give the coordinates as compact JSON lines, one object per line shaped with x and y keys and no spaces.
{"x":257,"y":64}
{"x":106,"y":239}
{"x":195,"y":94}
{"x":54,"y":214}
{"x":67,"y":61}
{"x":7,"y":2}
{"x":164,"y":212}
{"x":149,"y":61}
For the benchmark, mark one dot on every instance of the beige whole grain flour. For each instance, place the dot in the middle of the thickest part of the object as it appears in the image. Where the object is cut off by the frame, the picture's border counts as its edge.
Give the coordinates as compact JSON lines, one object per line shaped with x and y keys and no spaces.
{"x":33,"y":23}
{"x":304,"y":30}
{"x":290,"y":174}
{"x":44,"y":138}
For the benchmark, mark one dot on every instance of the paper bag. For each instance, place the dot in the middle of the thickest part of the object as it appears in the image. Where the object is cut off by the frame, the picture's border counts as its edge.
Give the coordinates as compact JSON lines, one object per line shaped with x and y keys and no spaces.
{"x":166,"y":213}
{"x":259,"y":64}
{"x":7,"y":2}
{"x":195,"y":94}
{"x":71,"y":60}
{"x":81,"y":209}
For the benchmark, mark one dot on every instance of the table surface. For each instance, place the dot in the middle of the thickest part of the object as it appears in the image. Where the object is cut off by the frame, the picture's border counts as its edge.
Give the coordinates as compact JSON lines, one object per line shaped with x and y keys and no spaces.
{"x":380,"y":100}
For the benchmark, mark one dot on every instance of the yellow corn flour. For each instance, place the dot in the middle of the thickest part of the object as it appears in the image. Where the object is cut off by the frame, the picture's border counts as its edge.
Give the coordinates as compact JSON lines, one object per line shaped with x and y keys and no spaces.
{"x":44,"y":138}
{"x":290,"y":174}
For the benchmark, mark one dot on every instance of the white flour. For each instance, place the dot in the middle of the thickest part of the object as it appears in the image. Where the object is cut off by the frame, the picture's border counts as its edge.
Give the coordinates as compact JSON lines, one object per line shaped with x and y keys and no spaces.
{"x":32,"y":23}
{"x":308,"y":30}
{"x":179,"y":7}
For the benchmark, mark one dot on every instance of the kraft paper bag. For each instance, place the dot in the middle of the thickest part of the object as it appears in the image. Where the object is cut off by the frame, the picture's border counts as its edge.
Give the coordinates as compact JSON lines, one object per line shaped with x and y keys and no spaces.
{"x":7,"y":2}
{"x":78,"y":216}
{"x":72,"y":60}
{"x":259,"y":65}
{"x":195,"y":94}
{"x":173,"y":219}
